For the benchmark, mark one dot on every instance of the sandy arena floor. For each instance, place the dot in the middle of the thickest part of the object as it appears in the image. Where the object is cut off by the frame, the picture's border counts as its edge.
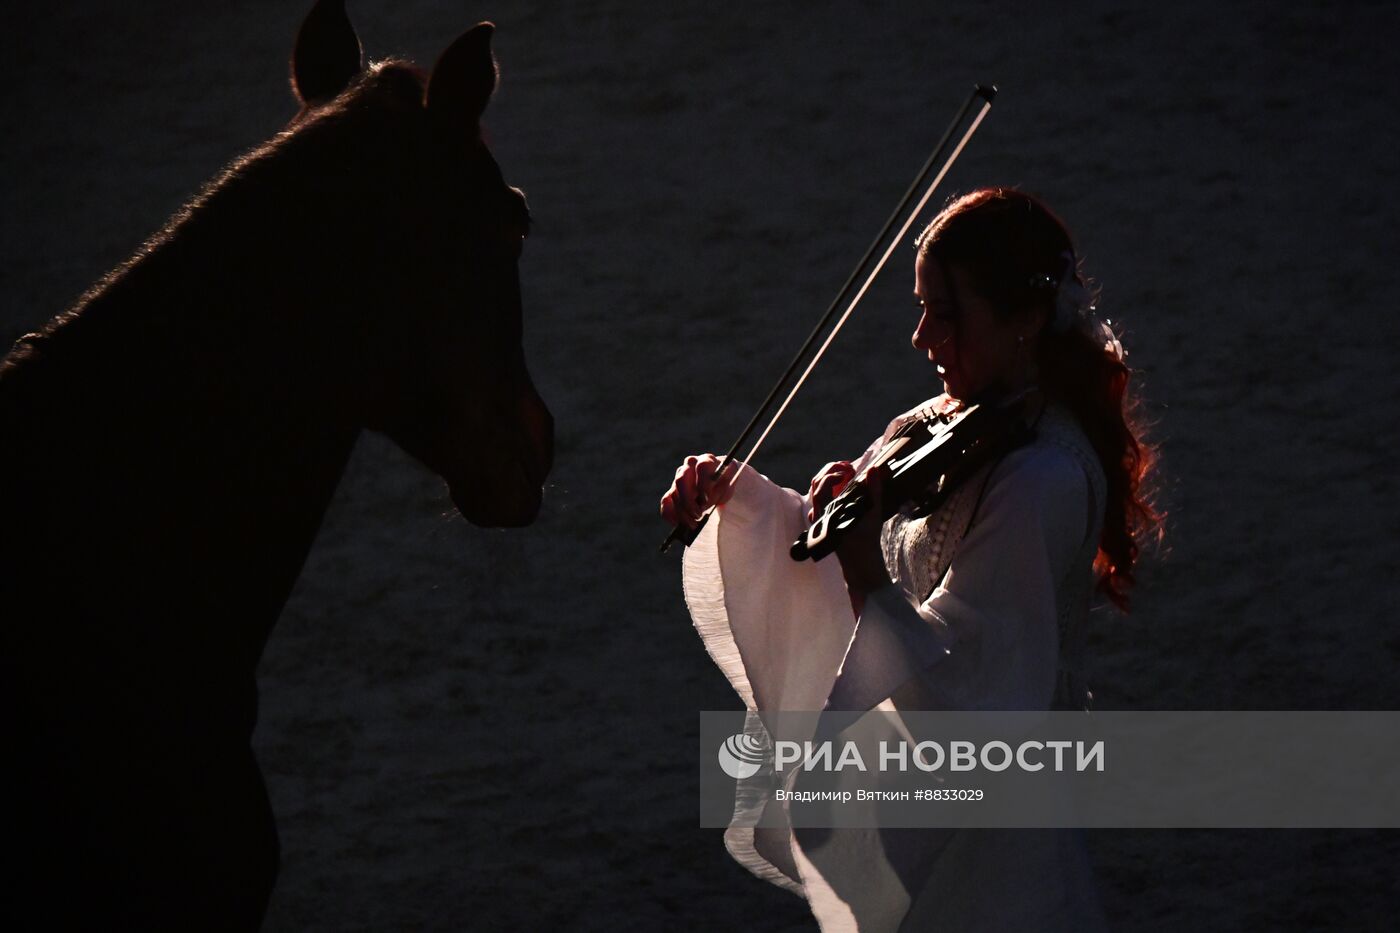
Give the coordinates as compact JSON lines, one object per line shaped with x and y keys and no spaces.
{"x":478,"y":730}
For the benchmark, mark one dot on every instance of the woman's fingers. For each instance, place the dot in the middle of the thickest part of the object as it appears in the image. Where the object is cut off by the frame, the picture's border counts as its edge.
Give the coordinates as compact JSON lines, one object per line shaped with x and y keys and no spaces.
{"x":705,"y":469}
{"x":827,"y":485}
{"x":836,"y":466}
{"x":670,"y":511}
{"x":688,"y":491}
{"x":821,"y":495}
{"x":673,"y":501}
{"x":862,"y":560}
{"x":875,"y":486}
{"x":691,"y":490}
{"x":716,"y":488}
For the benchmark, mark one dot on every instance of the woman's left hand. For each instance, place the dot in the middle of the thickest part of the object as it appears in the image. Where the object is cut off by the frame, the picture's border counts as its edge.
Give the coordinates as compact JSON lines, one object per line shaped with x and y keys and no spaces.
{"x":862,"y":558}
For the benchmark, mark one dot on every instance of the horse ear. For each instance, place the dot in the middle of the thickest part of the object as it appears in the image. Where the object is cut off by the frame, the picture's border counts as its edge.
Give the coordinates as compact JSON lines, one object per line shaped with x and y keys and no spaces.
{"x":326,"y":57}
{"x":463,"y":78}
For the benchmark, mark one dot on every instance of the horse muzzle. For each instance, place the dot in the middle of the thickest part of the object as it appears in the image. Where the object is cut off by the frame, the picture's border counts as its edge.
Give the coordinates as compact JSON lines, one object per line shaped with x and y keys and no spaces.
{"x":511,"y":492}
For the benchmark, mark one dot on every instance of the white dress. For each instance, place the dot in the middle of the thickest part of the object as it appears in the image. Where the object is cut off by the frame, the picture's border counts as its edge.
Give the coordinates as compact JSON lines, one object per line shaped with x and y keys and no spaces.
{"x":987,"y":612}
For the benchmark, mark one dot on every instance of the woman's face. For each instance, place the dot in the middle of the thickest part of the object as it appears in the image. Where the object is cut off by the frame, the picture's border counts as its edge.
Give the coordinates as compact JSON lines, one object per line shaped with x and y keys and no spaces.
{"x":973,"y":347}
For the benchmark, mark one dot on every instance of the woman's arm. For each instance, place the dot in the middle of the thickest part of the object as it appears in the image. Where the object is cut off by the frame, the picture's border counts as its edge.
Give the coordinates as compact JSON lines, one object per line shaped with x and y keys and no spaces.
{"x":996,"y":607}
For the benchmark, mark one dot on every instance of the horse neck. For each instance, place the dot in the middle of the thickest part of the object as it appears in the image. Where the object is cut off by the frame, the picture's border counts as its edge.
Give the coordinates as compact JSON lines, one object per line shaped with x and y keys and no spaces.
{"x":190,"y":428}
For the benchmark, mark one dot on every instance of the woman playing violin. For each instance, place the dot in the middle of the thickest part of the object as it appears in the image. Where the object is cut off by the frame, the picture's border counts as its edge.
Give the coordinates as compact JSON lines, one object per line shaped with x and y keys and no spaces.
{"x":982,"y":602}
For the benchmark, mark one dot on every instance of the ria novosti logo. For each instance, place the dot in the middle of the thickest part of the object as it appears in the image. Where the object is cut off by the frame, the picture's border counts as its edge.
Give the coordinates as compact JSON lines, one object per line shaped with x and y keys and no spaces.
{"x":741,"y":756}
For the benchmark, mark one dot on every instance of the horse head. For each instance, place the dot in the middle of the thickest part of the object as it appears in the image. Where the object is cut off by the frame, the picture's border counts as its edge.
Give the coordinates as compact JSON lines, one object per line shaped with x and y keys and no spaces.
{"x":437,"y":312}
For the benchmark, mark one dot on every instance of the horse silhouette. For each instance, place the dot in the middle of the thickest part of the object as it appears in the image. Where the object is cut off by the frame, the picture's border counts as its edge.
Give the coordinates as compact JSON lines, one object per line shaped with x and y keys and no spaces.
{"x":171,"y":443}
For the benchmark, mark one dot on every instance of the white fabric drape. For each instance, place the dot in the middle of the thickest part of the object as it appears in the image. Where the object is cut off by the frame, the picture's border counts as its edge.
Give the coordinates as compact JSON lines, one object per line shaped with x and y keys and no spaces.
{"x":989,"y":635}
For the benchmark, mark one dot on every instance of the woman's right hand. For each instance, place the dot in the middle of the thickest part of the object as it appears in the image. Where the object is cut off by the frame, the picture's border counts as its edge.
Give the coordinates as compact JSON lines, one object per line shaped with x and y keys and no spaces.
{"x":696,"y":487}
{"x":827,"y":485}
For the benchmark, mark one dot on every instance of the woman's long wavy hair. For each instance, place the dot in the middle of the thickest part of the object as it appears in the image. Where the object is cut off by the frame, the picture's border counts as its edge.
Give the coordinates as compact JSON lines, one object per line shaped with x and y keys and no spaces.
{"x":1008,"y":242}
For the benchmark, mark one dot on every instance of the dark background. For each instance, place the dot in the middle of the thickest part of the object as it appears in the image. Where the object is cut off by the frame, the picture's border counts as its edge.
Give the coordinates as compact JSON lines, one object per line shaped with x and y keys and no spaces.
{"x":471,"y":729}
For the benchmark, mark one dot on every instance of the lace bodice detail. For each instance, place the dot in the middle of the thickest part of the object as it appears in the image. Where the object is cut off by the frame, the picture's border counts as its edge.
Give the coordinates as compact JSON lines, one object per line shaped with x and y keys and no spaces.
{"x":919,"y":550}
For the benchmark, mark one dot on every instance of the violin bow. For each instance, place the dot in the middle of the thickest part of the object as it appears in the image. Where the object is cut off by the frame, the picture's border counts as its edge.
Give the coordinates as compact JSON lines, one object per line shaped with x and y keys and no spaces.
{"x":941,"y":156}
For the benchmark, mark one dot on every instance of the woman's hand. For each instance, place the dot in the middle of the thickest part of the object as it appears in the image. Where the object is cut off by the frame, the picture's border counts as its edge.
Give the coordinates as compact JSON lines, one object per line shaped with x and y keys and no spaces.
{"x":827,"y":485}
{"x":862,"y":558}
{"x":696,"y":487}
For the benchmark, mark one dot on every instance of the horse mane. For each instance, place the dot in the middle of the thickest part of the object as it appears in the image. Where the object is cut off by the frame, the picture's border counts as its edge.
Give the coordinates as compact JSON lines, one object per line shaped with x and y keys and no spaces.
{"x":381,"y":97}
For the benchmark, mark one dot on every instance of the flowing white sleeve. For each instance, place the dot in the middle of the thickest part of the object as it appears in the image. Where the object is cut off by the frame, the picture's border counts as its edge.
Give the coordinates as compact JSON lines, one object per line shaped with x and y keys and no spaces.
{"x":987,"y":637}
{"x":776,"y":627}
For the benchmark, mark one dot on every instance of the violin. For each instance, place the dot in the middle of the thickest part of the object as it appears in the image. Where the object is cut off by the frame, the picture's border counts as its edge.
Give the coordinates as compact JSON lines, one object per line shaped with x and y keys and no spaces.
{"x":922,"y":464}
{"x":975,"y":108}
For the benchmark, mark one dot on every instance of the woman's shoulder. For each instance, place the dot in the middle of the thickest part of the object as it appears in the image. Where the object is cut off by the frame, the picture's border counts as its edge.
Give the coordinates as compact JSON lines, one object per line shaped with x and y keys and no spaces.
{"x":1058,"y":471}
{"x":1059,"y":460}
{"x":1050,"y":471}
{"x":1059,"y":435}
